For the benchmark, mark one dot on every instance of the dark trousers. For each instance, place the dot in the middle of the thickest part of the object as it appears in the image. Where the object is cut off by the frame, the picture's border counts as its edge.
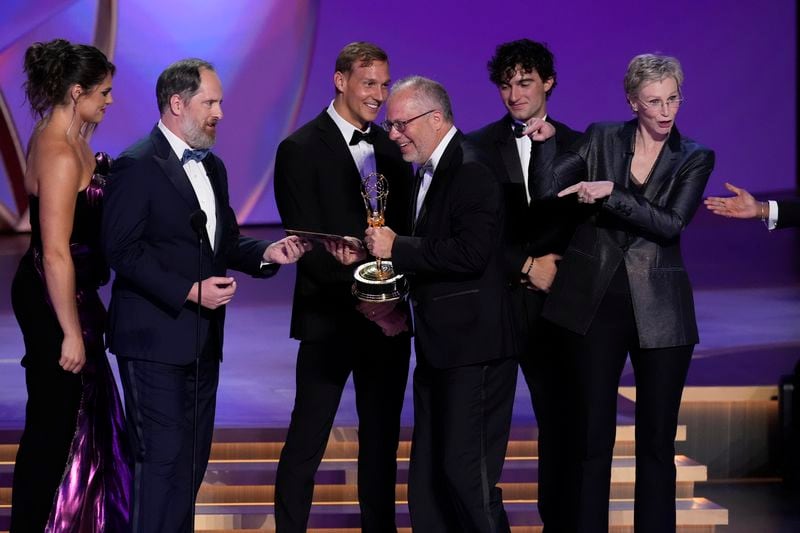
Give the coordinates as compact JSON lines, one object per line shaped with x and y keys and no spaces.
{"x":660,"y":375}
{"x":462,"y":418}
{"x":379,"y":366}
{"x":159,"y":402}
{"x":50,"y":422}
{"x":549,"y":373}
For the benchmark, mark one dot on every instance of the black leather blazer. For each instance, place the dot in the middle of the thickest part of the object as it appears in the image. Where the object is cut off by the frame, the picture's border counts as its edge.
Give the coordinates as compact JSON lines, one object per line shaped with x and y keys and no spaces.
{"x":640,"y":228}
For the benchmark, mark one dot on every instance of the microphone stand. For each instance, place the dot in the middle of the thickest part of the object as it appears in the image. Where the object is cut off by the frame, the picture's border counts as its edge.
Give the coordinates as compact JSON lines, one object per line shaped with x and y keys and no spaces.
{"x":198,"y":222}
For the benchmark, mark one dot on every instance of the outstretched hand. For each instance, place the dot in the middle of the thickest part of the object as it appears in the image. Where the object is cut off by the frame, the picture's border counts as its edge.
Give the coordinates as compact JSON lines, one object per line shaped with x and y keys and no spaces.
{"x":347,"y":251}
{"x":589,"y":191}
{"x":287,"y":250}
{"x":538,"y":129}
{"x":743,"y":205}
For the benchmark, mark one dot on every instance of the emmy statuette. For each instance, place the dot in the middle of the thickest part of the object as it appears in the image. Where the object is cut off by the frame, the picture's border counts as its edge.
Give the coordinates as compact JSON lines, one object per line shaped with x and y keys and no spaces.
{"x":376,"y":281}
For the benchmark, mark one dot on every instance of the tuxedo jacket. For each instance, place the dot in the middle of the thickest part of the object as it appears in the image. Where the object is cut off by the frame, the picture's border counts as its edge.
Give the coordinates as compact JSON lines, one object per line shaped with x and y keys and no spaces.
{"x":543,"y":227}
{"x":788,"y":214}
{"x":638,"y":228}
{"x":318,"y":188}
{"x":546,"y":225}
{"x":150,"y":244}
{"x":453,"y":259}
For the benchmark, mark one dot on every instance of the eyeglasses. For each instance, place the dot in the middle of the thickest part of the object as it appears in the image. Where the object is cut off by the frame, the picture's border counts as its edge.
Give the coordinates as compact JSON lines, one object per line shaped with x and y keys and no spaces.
{"x":400,"y":125}
{"x":673,"y":102}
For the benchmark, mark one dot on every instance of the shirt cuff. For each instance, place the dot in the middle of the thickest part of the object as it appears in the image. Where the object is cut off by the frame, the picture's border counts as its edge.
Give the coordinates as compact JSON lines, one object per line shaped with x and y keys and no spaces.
{"x":772,"y":219}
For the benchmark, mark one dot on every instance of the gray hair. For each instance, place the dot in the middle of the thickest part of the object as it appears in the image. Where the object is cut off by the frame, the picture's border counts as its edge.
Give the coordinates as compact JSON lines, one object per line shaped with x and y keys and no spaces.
{"x":427,"y":91}
{"x":647,"y":68}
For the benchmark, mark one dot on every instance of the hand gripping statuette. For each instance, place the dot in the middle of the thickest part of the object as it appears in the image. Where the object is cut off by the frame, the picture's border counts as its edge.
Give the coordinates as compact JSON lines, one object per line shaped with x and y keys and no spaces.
{"x":376,"y":281}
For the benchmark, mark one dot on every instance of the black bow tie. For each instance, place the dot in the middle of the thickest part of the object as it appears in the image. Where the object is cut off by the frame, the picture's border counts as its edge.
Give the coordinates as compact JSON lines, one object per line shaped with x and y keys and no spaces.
{"x":519,"y":127}
{"x":359,"y":136}
{"x":193,"y":155}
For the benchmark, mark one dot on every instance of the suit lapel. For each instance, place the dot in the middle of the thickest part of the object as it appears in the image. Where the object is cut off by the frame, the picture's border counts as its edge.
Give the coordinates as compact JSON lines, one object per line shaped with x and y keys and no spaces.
{"x":332,"y":138}
{"x":382,"y":153}
{"x":664,"y":165}
{"x":210,"y":164}
{"x":423,"y":210}
{"x":563,"y":139}
{"x":507,"y":146}
{"x":440,"y":175}
{"x":662,"y":168}
{"x":622,"y":163}
{"x":171,"y":166}
{"x":412,"y":204}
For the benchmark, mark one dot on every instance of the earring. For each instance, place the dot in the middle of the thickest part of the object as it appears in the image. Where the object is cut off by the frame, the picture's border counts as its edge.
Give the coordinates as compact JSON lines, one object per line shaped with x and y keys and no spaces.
{"x":74,"y":112}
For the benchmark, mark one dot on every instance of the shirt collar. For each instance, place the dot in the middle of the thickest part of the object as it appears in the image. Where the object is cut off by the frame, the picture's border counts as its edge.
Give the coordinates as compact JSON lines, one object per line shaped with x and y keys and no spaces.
{"x":345,"y":127}
{"x":433,"y":160}
{"x":178,"y":145}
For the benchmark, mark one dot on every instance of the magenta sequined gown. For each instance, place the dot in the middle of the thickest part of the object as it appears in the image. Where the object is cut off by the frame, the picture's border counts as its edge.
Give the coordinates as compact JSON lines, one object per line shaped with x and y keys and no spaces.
{"x":94,"y":490}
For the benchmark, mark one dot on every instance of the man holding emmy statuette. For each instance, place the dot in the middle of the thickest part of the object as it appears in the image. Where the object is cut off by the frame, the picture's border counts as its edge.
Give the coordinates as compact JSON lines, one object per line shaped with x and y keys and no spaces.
{"x":465,"y":375}
{"x":321,"y":171}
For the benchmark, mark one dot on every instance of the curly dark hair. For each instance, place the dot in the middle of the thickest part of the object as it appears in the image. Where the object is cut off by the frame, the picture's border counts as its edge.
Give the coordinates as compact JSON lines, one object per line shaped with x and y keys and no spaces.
{"x":527,"y":54}
{"x":54,"y":66}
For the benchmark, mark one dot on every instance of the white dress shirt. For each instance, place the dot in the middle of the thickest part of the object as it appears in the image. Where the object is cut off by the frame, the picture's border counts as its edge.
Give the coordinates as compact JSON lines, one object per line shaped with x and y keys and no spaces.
{"x":524,"y":149}
{"x":430,"y":167}
{"x":363,"y":152}
{"x":198,"y":178}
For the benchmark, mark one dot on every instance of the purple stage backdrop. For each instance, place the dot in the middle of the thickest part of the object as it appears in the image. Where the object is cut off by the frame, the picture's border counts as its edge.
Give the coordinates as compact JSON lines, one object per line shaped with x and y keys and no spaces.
{"x":276,"y":61}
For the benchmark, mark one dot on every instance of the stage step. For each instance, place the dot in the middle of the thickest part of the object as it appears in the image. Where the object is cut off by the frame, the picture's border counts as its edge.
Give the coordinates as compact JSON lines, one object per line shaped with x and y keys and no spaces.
{"x":8,"y":452}
{"x":252,"y":481}
{"x":692,"y":514}
{"x":237,"y":491}
{"x":266,"y":444}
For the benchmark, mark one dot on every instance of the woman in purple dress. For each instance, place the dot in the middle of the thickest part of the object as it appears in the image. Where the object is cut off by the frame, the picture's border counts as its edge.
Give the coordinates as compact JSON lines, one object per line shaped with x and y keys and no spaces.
{"x":71,"y":471}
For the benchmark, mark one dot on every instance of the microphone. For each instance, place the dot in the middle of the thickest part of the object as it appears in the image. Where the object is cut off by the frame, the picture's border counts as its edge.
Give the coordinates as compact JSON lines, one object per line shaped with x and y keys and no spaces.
{"x":198,"y":221}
